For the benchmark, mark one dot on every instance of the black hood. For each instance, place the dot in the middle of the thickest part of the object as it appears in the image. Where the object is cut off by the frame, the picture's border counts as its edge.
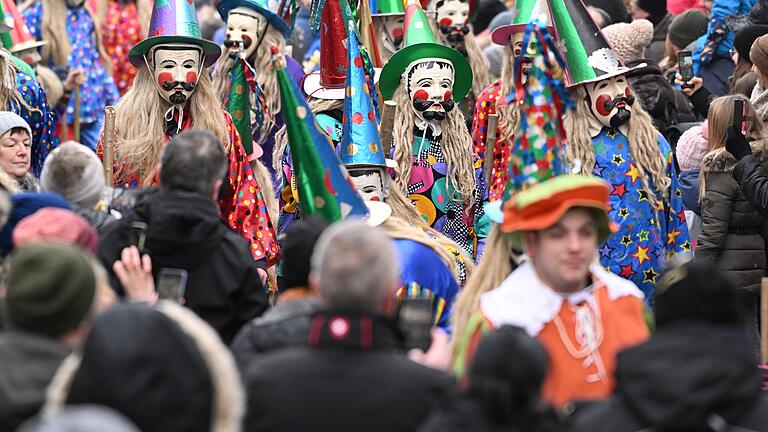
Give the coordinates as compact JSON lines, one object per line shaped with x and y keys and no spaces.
{"x":650,"y":68}
{"x":183,"y":228}
{"x":687,"y":372}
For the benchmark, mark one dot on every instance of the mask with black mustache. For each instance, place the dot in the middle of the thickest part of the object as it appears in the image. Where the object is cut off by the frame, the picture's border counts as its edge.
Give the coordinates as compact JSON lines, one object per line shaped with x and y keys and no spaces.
{"x":423,"y":107}
{"x":622,"y":115}
{"x":178,"y":98}
{"x":236,"y":46}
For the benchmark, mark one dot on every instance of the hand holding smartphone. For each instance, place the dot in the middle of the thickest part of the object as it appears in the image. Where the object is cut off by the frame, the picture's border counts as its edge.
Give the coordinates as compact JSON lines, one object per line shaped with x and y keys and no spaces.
{"x":416,"y":316}
{"x":738,"y":116}
{"x":172,"y":284}
{"x":685,"y":65}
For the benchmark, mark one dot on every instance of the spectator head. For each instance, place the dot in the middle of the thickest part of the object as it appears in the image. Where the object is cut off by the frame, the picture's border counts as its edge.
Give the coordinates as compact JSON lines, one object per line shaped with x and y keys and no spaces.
{"x":720,"y":116}
{"x":85,"y":418}
{"x":297,"y":245}
{"x":193,"y":161}
{"x":76,"y":173}
{"x":599,"y":16}
{"x":691,"y":147}
{"x":686,"y":28}
{"x":758,"y":54}
{"x":504,"y":388}
{"x":485,"y":13}
{"x":355,"y":266}
{"x":50,"y":292}
{"x":759,"y":13}
{"x":15,"y":145}
{"x":630,"y":40}
{"x":182,"y":376}
{"x":652,"y":10}
{"x":56,"y":225}
{"x":697,"y":291}
{"x":746,"y":38}
{"x":22,"y":205}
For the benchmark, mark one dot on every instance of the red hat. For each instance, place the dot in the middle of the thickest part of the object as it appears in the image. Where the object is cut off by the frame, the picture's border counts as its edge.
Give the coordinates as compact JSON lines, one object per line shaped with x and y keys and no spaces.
{"x":333,"y":53}
{"x":56,"y":225}
{"x":20,"y":35}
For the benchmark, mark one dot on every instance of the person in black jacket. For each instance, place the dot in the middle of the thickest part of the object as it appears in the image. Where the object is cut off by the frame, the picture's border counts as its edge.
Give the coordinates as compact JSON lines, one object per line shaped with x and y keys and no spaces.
{"x":748,"y":172}
{"x":696,"y":373}
{"x":184,"y":231}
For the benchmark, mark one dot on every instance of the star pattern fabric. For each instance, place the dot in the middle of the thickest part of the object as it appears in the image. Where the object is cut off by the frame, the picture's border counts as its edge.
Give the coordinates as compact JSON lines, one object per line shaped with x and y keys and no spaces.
{"x":121,"y":31}
{"x":650,"y":229}
{"x":99,"y":90}
{"x":40,"y":118}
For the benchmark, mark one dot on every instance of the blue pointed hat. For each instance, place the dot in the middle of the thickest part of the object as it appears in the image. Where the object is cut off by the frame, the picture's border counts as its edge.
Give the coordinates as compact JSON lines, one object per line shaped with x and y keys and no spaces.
{"x":360,"y":142}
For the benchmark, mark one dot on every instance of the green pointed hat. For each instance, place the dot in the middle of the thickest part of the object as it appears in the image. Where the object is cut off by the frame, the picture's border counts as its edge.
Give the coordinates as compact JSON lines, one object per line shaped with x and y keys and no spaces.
{"x":588,"y":55}
{"x":389,"y":7}
{"x":523,"y":12}
{"x":420,"y":43}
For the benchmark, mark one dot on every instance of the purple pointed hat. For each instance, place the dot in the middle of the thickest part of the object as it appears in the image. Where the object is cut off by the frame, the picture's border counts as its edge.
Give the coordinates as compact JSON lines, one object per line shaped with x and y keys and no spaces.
{"x":174,"y":22}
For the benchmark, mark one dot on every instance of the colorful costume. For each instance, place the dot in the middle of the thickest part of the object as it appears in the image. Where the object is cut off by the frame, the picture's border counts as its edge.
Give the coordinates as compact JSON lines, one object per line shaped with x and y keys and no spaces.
{"x":39,"y":117}
{"x":120,"y":31}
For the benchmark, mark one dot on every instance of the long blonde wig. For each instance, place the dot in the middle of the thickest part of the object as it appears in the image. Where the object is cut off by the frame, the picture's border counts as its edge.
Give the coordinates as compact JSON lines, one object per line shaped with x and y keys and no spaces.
{"x":479,"y":64}
{"x":316,"y":105}
{"x":140,"y":124}
{"x":53,"y":29}
{"x":9,"y":91}
{"x":643,"y":146}
{"x":455,"y":143}
{"x":261,"y":61}
{"x":399,"y":229}
{"x":509,"y":113}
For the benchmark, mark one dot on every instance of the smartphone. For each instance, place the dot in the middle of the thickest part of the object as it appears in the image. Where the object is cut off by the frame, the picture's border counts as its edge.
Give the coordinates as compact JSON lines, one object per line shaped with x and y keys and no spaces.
{"x":738,"y":116}
{"x":685,"y":64}
{"x":137,"y":235}
{"x":171,"y":284}
{"x":416,"y":316}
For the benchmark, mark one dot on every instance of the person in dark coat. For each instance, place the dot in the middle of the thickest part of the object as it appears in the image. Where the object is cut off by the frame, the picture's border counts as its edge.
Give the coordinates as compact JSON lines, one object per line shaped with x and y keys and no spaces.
{"x":350,"y":377}
{"x":749,"y":172}
{"x":744,"y":80}
{"x":47,"y":309}
{"x":696,"y":373}
{"x":616,"y":9}
{"x":184,"y":231}
{"x":287,"y":322}
{"x":503,"y":395}
{"x":656,"y":12}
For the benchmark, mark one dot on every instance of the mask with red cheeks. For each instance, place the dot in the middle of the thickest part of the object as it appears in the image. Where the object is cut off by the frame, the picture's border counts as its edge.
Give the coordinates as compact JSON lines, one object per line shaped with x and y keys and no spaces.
{"x":430,"y":88}
{"x":243,"y":29}
{"x":610,"y":101}
{"x":176,"y":70}
{"x":452,"y":17}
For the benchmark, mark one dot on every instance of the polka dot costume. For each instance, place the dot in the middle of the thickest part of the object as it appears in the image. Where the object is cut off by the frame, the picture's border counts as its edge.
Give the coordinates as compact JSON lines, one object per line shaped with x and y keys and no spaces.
{"x":40,"y":118}
{"x":121,"y":31}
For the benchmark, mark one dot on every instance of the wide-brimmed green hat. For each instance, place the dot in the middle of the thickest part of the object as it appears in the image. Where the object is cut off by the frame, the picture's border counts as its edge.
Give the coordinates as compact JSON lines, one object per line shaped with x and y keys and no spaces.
{"x":174,"y":22}
{"x":388,"y":8}
{"x":420,"y":43}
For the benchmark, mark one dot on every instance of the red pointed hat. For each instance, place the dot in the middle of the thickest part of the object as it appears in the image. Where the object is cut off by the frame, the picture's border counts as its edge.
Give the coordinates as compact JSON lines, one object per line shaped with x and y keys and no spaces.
{"x":333,"y":53}
{"x":20,"y":35}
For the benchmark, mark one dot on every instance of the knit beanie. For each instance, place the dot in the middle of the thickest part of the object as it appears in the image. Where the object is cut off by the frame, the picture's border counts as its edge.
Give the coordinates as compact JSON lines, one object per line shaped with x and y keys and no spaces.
{"x":10,"y":120}
{"x":687,"y":27}
{"x":691,"y":148}
{"x":50,"y":289}
{"x":56,"y":225}
{"x":758,"y":54}
{"x":697,"y":291}
{"x":74,"y":171}
{"x":81,"y":418}
{"x":656,"y":8}
{"x":746,"y":37}
{"x":630,"y":40}
{"x":22,"y":205}
{"x":297,"y":245}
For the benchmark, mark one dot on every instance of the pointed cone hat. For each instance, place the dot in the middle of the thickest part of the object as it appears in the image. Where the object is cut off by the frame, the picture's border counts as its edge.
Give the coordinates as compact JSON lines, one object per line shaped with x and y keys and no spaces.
{"x":6,"y":25}
{"x":333,"y":55}
{"x":588,"y":55}
{"x":389,"y":8}
{"x":322,"y":183}
{"x":174,"y":22}
{"x":21,"y":38}
{"x":360,"y":141}
{"x":420,"y":43}
{"x":524,"y":12}
{"x":283,"y":22}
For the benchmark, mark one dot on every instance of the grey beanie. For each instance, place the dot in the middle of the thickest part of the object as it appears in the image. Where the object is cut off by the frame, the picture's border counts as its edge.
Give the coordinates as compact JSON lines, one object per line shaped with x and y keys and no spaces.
{"x":10,"y":120}
{"x":75,"y":172}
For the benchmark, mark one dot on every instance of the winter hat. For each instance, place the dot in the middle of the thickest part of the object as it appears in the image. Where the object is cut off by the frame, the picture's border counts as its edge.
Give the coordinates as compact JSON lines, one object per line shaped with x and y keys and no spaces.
{"x":691,"y":148}
{"x":50,"y":290}
{"x":74,"y":171}
{"x":84,"y":418}
{"x":697,"y":291}
{"x":630,"y":40}
{"x":56,"y":225}
{"x":297,"y":245}
{"x":758,"y":54}
{"x":746,"y":37}
{"x":656,"y":8}
{"x":687,"y":27}
{"x":24,"y":204}
{"x":10,"y":120}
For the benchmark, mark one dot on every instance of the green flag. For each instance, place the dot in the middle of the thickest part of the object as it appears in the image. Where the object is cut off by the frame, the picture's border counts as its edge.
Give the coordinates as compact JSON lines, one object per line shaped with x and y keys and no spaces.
{"x":239,"y":106}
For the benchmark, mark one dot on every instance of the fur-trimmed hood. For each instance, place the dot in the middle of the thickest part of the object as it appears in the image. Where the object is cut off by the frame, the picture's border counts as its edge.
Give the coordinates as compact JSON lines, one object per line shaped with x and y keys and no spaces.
{"x":228,"y":405}
{"x":722,"y":161}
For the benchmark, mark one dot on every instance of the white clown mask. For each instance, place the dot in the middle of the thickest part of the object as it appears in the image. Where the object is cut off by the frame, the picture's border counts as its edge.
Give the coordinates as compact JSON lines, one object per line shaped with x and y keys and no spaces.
{"x":176,"y":69}
{"x":244,"y":27}
{"x":610,"y":101}
{"x":430,"y":89}
{"x":370,"y":183}
{"x":452,"y":13}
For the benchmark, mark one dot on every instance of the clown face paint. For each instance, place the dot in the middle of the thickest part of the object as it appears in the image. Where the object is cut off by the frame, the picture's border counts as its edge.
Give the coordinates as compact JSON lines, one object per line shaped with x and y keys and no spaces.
{"x":243,"y":29}
{"x":176,"y":70}
{"x":369,"y":184}
{"x":430,"y":88}
{"x":610,"y":101}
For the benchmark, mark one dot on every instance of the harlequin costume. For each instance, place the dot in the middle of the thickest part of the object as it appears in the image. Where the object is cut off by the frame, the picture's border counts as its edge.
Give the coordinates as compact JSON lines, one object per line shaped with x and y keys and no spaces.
{"x":241,"y":204}
{"x":99,"y":89}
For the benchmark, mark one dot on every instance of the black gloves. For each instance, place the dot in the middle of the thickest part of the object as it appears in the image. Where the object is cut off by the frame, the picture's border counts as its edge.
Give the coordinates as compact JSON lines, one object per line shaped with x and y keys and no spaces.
{"x":736,"y":143}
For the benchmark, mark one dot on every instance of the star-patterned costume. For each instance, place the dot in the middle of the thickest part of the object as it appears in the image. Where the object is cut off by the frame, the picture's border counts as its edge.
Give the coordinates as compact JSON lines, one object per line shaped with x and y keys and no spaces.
{"x":120,"y":31}
{"x":651,"y":228}
{"x":240,"y":201}
{"x":40,"y":118}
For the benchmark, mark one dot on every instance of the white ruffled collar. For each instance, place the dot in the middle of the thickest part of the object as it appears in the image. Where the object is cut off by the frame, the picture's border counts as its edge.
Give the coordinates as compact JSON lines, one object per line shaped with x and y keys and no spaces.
{"x":524,"y":301}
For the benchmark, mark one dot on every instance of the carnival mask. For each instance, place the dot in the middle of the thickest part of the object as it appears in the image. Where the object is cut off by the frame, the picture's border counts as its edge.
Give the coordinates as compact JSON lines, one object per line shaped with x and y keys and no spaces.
{"x":243,"y":27}
{"x":176,"y":69}
{"x":610,"y":101}
{"x":369,"y":183}
{"x":430,"y":88}
{"x":452,"y":16}
{"x":393,"y":32}
{"x":516,"y":44}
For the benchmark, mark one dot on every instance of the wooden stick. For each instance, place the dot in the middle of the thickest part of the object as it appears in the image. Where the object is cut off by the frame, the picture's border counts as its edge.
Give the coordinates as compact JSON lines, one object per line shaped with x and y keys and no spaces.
{"x":76,"y":116}
{"x":764,"y":321}
{"x":109,"y":143}
{"x":387,"y":125}
{"x":490,"y":144}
